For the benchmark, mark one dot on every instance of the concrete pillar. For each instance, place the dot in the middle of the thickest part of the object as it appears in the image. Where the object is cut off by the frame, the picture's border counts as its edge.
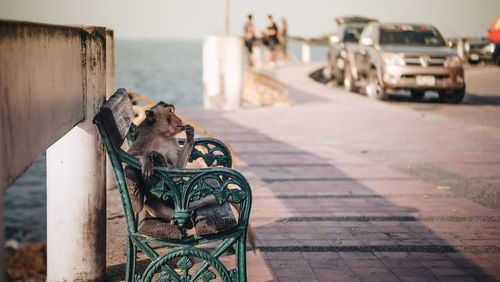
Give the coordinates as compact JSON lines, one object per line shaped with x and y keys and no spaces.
{"x":306,"y":52}
{"x":222,"y":72}
{"x":110,"y":89}
{"x":76,"y":193}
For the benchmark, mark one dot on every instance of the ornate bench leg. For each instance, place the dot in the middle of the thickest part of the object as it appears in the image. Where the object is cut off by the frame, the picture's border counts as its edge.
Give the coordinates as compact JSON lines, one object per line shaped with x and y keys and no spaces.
{"x":131,"y":258}
{"x":241,"y":258}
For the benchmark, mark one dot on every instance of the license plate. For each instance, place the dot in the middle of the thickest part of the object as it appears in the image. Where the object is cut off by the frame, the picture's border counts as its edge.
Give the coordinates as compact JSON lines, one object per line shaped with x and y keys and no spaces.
{"x":426,"y":80}
{"x":474,"y":57}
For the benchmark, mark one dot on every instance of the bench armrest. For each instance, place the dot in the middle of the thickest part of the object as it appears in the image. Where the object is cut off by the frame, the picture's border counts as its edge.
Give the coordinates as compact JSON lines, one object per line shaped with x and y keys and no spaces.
{"x":184,"y":185}
{"x":211,"y":150}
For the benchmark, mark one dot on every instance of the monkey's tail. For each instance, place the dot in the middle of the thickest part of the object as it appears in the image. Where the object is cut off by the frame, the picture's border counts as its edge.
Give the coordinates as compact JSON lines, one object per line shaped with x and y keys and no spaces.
{"x":250,"y":234}
{"x":251,"y":239}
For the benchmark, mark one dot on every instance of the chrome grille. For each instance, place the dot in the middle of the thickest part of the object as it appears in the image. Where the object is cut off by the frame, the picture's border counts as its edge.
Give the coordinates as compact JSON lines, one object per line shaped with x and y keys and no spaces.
{"x":416,"y":61}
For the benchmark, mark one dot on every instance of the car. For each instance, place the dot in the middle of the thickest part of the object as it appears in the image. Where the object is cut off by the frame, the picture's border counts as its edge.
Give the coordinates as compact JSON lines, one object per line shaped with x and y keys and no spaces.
{"x":348,"y":33}
{"x":482,"y":50}
{"x":395,"y":56}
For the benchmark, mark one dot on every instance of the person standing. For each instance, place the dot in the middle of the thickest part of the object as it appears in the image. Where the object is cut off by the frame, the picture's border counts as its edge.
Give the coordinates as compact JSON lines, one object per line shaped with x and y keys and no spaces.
{"x":272,"y":34}
{"x":249,"y":39}
{"x":283,"y":38}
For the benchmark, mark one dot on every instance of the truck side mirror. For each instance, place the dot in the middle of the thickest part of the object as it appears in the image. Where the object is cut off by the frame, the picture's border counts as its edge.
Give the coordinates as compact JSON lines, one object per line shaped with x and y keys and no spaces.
{"x":366,"y":41}
{"x":334,"y":39}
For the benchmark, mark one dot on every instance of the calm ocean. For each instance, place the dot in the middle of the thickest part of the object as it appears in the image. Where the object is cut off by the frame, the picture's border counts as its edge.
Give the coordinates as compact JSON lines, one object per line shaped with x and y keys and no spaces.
{"x":167,"y":70}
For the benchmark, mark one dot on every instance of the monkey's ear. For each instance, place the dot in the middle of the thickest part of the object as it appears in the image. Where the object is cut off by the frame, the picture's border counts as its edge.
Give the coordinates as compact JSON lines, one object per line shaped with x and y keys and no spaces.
{"x":150,"y":116}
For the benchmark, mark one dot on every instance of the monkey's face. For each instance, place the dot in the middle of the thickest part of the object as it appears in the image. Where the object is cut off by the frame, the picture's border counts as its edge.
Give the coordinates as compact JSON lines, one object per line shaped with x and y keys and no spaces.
{"x":163,"y":117}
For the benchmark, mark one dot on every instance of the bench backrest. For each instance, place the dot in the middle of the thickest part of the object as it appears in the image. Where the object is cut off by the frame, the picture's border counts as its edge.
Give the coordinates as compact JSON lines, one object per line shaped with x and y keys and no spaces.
{"x":113,"y":122}
{"x":116,"y":115}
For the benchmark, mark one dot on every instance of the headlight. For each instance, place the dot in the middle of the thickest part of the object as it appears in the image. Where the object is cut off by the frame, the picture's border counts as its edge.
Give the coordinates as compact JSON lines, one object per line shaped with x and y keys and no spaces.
{"x":393,"y":59}
{"x":452,"y":61}
{"x":490,"y":48}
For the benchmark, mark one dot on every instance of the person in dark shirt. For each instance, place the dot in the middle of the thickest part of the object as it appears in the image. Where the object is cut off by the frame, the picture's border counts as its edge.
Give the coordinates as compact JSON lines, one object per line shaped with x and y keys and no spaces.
{"x":273,"y":42}
{"x":249,"y":39}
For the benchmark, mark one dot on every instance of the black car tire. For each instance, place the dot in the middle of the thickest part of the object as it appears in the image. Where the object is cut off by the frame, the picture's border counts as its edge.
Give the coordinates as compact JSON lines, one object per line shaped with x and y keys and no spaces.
{"x":451,"y":96}
{"x":417,"y":94}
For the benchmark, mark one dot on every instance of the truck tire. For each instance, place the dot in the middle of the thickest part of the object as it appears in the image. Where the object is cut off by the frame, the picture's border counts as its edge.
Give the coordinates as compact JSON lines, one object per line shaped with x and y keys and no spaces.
{"x":417,"y":94}
{"x":339,"y":75}
{"x":451,"y":96}
{"x":348,"y":79}
{"x":374,"y":89}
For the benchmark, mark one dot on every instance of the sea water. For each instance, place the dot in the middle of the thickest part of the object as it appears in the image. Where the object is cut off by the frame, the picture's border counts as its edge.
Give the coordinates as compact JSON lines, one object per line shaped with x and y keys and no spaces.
{"x":167,"y":70}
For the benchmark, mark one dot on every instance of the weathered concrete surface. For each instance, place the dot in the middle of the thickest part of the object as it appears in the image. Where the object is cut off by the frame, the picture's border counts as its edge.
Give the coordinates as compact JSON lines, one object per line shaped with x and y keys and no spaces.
{"x":41,"y":72}
{"x":350,"y":189}
{"x":110,"y":89}
{"x":53,"y":78}
{"x":76,"y":181}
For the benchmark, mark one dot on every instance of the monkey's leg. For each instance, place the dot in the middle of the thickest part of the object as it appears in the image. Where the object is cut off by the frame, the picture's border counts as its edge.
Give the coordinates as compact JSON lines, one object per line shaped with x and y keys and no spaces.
{"x":159,"y":208}
{"x":135,"y":187}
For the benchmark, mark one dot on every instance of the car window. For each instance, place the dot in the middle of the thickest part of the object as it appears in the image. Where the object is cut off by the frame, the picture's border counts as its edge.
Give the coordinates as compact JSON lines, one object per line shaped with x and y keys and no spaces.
{"x":352,"y":33}
{"x":410,"y":35}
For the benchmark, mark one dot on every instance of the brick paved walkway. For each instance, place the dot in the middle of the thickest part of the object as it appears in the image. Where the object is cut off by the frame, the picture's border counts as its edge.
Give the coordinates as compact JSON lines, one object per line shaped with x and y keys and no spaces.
{"x":325,"y":210}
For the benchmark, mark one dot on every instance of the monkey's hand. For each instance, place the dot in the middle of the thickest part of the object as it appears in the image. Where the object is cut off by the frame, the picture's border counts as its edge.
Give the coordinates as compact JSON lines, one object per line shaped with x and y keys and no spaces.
{"x":189,"y":132}
{"x":148,"y":165}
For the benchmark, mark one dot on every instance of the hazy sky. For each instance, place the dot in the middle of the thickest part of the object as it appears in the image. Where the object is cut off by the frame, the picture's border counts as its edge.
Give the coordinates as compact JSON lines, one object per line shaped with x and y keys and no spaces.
{"x":156,"y":19}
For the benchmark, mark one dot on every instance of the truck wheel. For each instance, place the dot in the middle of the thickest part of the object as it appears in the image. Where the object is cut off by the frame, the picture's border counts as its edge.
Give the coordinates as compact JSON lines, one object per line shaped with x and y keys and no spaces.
{"x":329,"y":67}
{"x":451,"y":96}
{"x":373,"y":88}
{"x":348,"y":80}
{"x":417,"y":94}
{"x":339,"y":75}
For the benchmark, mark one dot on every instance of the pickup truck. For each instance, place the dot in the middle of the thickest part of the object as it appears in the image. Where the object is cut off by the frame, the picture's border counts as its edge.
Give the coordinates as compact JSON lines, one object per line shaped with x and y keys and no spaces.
{"x":413,"y":57}
{"x":348,"y":33}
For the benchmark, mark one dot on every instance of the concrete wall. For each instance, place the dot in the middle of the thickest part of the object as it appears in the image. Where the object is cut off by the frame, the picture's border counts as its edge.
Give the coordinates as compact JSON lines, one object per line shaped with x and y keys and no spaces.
{"x":41,"y":89}
{"x":52,"y":81}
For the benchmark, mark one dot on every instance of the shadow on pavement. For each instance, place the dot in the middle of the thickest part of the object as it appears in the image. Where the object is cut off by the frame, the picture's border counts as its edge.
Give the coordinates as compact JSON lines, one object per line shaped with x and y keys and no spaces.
{"x":334,"y":219}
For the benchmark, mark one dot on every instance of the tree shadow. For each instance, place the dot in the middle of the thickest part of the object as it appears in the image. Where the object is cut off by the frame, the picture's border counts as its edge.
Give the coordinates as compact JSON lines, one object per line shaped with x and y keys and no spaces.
{"x":331,"y":217}
{"x":318,"y":219}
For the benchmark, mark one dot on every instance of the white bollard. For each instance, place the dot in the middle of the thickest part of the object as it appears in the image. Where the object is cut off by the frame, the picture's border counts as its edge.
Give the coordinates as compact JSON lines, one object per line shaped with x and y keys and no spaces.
{"x":222,"y":72}
{"x":76,"y":184}
{"x":257,"y":55}
{"x":306,"y":53}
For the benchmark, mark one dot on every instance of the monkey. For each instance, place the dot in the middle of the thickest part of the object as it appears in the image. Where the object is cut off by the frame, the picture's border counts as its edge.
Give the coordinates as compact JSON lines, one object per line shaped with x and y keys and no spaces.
{"x":154,"y":143}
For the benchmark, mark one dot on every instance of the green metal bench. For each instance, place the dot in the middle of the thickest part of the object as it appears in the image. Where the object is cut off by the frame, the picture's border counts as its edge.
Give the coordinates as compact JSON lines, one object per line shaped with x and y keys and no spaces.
{"x":183,"y":260}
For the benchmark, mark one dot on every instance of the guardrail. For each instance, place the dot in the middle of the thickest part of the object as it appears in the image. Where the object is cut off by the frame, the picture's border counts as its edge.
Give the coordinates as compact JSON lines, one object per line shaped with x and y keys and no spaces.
{"x":260,"y":89}
{"x":54,"y":80}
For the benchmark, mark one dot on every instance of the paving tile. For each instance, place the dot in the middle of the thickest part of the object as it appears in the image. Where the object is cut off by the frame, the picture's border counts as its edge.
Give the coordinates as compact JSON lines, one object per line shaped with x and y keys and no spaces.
{"x":405,"y":278}
{"x":411,"y":271}
{"x":374,"y":274}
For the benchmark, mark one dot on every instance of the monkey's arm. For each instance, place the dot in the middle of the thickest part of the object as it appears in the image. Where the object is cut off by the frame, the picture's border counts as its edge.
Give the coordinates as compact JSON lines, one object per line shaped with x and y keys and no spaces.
{"x":148,"y":162}
{"x":184,"y":154}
